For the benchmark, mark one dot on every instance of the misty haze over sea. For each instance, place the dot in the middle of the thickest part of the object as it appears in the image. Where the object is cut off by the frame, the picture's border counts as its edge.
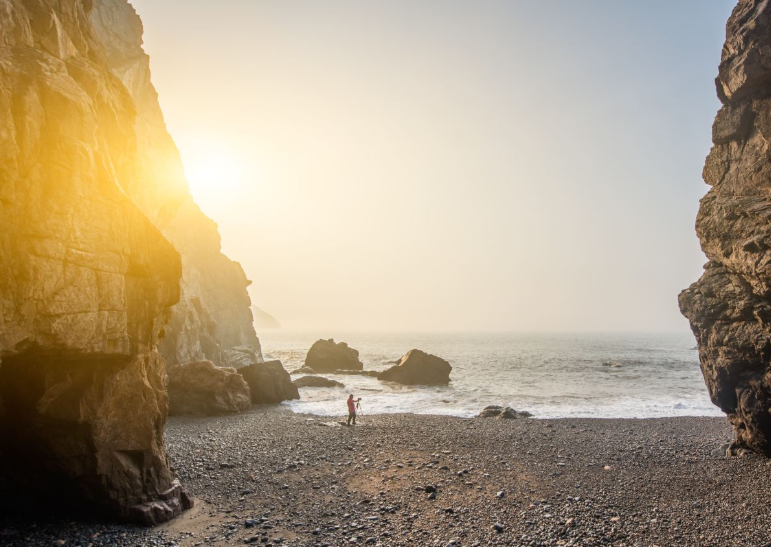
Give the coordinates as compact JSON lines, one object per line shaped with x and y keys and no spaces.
{"x":552,"y":375}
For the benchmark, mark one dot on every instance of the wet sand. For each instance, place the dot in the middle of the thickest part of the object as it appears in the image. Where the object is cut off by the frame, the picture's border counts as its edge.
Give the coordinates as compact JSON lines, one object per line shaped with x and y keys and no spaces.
{"x":273,"y":477}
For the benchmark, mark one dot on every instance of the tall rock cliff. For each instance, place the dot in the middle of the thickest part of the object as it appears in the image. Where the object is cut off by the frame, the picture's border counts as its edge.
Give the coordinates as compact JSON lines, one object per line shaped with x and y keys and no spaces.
{"x":214,"y":312}
{"x":102,"y":255}
{"x":730,"y":306}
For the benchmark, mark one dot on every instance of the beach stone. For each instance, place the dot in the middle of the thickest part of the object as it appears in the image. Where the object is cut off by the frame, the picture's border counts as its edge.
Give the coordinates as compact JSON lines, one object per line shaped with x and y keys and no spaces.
{"x":304,"y":370}
{"x":729,"y":308}
{"x":417,"y":367}
{"x":503,"y":413}
{"x":316,"y":381}
{"x":326,"y":356}
{"x":269,"y":383}
{"x":205,"y":390}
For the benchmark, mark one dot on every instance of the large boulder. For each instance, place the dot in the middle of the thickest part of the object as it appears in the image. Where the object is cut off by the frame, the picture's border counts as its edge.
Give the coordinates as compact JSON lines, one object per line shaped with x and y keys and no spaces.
{"x":418,"y":368}
{"x":205,"y":390}
{"x":316,"y":381}
{"x":730,"y":306}
{"x":269,"y":383}
{"x":325,"y":356}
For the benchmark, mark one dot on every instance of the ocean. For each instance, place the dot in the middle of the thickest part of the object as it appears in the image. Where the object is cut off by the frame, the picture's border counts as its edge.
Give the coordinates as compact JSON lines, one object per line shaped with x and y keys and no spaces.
{"x":551,"y":375}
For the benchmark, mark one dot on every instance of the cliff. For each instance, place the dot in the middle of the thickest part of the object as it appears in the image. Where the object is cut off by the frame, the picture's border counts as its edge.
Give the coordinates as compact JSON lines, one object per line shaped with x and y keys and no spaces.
{"x":214,"y":310}
{"x":106,"y":264}
{"x":730,"y":306}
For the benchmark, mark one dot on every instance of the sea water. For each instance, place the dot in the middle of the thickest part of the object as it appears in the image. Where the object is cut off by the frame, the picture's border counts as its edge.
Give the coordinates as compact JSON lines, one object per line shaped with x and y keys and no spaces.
{"x":549,"y":375}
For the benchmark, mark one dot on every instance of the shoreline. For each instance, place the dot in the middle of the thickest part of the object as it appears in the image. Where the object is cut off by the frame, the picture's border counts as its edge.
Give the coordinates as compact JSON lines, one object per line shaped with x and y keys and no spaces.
{"x":272,"y":476}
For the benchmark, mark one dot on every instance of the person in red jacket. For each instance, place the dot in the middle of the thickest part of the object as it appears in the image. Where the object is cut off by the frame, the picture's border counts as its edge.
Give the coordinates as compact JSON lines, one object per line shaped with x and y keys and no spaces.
{"x":352,"y":409}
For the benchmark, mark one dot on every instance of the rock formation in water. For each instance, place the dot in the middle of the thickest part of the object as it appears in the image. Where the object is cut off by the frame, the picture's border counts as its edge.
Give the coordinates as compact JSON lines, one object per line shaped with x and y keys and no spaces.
{"x":326,"y":356}
{"x":102,"y":254}
{"x":214,"y":312}
{"x":317,"y":381}
{"x":269,"y":383}
{"x":730,"y":306}
{"x":205,"y":390}
{"x":418,"y":368}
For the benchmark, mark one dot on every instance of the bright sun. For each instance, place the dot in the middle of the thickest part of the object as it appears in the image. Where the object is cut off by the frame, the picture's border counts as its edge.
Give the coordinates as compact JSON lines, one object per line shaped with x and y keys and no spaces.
{"x":212,"y":176}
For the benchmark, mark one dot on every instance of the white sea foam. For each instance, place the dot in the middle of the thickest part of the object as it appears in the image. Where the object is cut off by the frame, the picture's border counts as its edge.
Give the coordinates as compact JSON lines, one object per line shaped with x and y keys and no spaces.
{"x":550,"y":375}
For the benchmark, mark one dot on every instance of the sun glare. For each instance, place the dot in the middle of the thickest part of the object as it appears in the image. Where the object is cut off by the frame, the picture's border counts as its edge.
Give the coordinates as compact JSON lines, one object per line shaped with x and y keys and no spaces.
{"x":212,"y":176}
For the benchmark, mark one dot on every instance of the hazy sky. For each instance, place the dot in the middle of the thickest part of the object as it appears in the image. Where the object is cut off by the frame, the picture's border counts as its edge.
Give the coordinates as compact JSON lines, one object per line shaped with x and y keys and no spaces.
{"x":448,"y":164}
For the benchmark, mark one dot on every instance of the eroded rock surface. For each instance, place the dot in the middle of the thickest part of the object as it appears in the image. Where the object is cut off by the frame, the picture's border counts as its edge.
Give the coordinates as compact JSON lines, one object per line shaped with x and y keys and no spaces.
{"x":214,"y":312}
{"x":205,"y":390}
{"x":730,"y":306}
{"x":326,"y":356}
{"x":418,"y":368}
{"x":86,"y":280}
{"x":269,"y":383}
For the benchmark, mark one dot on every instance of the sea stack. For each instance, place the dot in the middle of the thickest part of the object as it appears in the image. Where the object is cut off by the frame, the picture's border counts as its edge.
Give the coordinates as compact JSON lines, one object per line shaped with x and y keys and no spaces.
{"x":326,"y":356}
{"x":417,"y":367}
{"x":730,"y":306}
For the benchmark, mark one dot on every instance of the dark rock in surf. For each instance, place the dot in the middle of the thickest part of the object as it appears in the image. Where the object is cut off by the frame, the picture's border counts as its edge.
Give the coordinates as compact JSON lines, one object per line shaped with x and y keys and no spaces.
{"x":418,"y":368}
{"x":372,"y":373}
{"x":269,"y":383}
{"x":316,"y":381}
{"x":326,"y":356}
{"x":503,"y":413}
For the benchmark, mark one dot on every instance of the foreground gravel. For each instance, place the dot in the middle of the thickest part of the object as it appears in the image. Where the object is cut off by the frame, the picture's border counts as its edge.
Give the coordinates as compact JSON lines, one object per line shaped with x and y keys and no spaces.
{"x":273,"y":477}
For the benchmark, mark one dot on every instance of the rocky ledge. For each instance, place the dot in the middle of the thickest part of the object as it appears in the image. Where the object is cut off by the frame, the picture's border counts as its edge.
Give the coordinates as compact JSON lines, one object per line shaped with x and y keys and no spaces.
{"x":317,"y":381}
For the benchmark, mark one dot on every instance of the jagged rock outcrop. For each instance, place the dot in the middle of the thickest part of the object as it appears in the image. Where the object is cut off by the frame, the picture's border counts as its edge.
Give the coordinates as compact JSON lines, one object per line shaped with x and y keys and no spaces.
{"x":317,"y":381}
{"x":269,"y":383}
{"x":418,"y":368}
{"x":730,"y":306}
{"x":326,"y":356}
{"x":242,"y":356}
{"x":205,"y":390}
{"x":214,"y":311}
{"x":86,"y":280}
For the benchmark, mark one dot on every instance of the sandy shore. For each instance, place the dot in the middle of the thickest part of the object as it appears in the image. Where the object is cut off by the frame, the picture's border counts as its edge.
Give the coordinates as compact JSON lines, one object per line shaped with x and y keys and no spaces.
{"x":271,"y":476}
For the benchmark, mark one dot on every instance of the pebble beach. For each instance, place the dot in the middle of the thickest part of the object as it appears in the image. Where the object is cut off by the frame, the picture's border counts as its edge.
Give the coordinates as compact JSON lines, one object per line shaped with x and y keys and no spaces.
{"x":270,"y":476}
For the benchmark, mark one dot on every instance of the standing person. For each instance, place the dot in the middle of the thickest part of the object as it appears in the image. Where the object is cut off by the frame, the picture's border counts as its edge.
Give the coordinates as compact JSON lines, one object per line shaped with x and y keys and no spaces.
{"x":352,"y":409}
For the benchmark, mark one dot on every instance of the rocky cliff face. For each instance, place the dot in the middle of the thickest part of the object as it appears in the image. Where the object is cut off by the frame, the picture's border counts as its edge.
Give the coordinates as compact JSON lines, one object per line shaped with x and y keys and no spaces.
{"x":102,"y":254}
{"x":214,"y":310}
{"x":730,"y":306}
